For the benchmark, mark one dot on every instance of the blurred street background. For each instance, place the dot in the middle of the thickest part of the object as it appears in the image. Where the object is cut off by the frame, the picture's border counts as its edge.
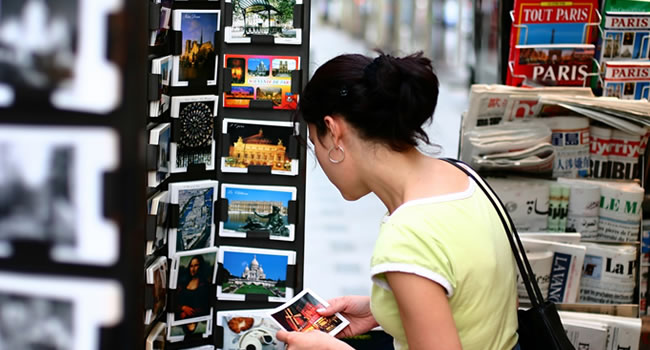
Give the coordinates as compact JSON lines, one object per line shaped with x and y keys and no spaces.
{"x":340,"y":235}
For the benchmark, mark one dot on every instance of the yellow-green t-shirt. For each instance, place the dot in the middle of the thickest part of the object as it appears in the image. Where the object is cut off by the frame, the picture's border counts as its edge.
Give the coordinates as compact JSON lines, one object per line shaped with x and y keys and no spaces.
{"x":458,"y":241}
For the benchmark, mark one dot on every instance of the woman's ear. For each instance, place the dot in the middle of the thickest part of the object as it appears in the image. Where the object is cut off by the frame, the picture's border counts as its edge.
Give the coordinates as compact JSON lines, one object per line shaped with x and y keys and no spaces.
{"x":335,"y":127}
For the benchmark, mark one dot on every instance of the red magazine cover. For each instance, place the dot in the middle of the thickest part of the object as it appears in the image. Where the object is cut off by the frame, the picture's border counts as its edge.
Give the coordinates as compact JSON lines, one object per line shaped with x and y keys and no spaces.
{"x":551,"y":65}
{"x":552,"y":23}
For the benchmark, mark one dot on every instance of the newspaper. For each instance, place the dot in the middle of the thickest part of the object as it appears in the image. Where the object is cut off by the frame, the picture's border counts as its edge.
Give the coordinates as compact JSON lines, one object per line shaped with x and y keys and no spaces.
{"x":566,"y":268}
{"x":582,"y":217}
{"x":608,"y":274}
{"x":492,"y":104}
{"x":615,"y":154}
{"x":501,"y":139}
{"x":571,"y":141}
{"x":525,"y":199}
{"x":585,"y":334}
{"x":622,"y":332}
{"x":541,"y":263}
{"x":619,"y":213}
{"x":562,"y":237}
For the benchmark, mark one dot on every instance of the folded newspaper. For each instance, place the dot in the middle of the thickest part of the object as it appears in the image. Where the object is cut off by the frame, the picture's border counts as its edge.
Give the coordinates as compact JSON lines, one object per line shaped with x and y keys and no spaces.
{"x":566,"y":268}
{"x":585,"y":330}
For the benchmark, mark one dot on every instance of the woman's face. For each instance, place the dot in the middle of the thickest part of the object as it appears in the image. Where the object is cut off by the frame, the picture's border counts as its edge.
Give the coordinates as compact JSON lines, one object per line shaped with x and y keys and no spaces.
{"x":194,"y":267}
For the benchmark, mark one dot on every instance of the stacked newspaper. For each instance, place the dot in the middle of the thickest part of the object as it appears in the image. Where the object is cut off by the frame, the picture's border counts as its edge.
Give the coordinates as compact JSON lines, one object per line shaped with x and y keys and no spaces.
{"x":601,"y":332}
{"x":621,"y":129}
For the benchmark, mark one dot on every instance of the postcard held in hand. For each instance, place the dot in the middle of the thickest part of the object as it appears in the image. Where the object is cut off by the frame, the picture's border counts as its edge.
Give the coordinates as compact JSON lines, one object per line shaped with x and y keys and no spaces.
{"x":299,"y":315}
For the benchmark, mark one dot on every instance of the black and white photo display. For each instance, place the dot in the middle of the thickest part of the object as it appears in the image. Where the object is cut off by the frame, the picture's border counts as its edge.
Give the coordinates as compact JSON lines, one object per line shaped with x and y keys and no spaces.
{"x":257,"y":208}
{"x":255,"y":271}
{"x":195,"y":133}
{"x":198,"y":59}
{"x":195,"y":200}
{"x":160,"y":136}
{"x":268,"y":18}
{"x":157,"y":280}
{"x":59,"y":46}
{"x":52,"y":190}
{"x":248,"y":329}
{"x":158,"y":206}
{"x":258,"y":143}
{"x":192,"y":275}
{"x":44,"y":312}
{"x":162,"y":66}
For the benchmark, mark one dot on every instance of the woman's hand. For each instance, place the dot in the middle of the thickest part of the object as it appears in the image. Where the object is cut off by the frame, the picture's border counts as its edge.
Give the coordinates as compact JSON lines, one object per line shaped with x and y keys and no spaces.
{"x":356,"y":309}
{"x":312,"y":340}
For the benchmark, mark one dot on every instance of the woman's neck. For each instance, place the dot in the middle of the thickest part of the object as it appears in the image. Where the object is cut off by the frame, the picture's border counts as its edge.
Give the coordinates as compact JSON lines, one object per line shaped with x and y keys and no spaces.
{"x":399,"y":177}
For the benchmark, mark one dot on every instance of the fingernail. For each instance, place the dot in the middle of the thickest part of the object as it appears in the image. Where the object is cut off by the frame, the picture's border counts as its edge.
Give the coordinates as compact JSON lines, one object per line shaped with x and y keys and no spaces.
{"x":321,"y":310}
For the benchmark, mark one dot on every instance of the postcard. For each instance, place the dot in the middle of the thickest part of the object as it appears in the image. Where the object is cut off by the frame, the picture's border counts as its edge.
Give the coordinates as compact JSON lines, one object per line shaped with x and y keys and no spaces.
{"x":156,"y":338}
{"x":68,"y":305}
{"x":262,"y":78}
{"x":162,"y":66}
{"x":158,"y":205}
{"x":198,"y":60}
{"x":259,"y":143}
{"x":59,"y":47}
{"x":258,"y":208}
{"x":244,"y":329}
{"x":51,"y":180}
{"x":299,"y":315}
{"x":273,"y":17}
{"x":255,"y":271}
{"x":159,"y":36}
{"x":160,"y":136}
{"x":192,"y":275}
{"x":196,"y":141}
{"x":177,"y":333}
{"x":157,"y":279}
{"x":195,"y":201}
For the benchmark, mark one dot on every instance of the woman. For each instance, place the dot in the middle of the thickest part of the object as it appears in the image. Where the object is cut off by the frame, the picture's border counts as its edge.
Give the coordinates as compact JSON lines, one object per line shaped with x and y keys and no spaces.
{"x":443,"y":272}
{"x":194,"y":293}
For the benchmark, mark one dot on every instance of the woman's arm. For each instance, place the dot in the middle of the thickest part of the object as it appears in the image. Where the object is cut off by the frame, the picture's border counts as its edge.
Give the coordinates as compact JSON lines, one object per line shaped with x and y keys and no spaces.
{"x":425,"y":312}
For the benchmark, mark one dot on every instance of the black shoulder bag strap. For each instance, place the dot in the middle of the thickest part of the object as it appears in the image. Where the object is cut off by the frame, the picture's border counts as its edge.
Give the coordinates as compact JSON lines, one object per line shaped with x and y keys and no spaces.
{"x":525,"y":270}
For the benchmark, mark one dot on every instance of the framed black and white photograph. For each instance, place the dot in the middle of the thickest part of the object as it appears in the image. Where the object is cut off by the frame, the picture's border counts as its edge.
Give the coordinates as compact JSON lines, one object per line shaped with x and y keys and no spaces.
{"x":156,"y":338}
{"x":258,"y":143}
{"x":266,"y":18}
{"x":160,"y":136}
{"x":196,"y":227}
{"x":248,"y":329}
{"x":162,"y":66}
{"x":159,"y":36}
{"x":191,"y":277}
{"x":52,"y":190}
{"x":255,"y":271}
{"x":196,"y":132}
{"x":199,"y":58}
{"x":158,"y":206}
{"x":300,"y":315}
{"x":157,"y":279}
{"x":44,"y":312}
{"x":59,"y":47}
{"x":257,"y":208}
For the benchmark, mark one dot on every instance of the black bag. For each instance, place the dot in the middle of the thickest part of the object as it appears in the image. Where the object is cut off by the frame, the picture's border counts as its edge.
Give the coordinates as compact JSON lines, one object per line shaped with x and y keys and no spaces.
{"x":540,"y":327}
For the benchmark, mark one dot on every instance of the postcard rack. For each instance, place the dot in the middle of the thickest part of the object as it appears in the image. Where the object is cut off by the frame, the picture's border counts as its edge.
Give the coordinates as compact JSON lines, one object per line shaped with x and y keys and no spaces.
{"x":225,"y":126}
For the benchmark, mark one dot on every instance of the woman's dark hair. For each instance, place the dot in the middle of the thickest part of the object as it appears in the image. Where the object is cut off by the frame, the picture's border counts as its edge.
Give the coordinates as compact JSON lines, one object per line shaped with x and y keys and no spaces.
{"x":387,"y":99}
{"x":201,"y":271}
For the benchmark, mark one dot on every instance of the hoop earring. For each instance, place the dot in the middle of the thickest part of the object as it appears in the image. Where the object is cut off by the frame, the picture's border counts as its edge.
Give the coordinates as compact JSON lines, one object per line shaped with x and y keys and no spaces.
{"x":329,"y":154}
